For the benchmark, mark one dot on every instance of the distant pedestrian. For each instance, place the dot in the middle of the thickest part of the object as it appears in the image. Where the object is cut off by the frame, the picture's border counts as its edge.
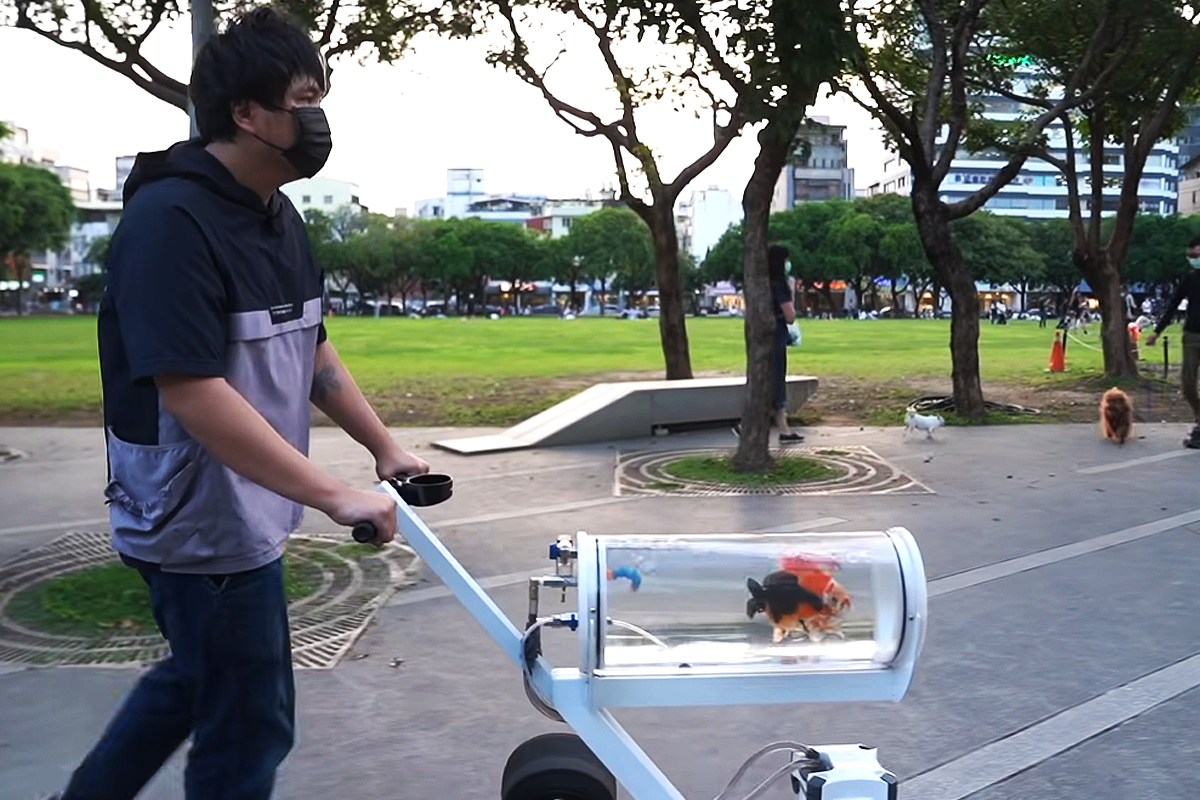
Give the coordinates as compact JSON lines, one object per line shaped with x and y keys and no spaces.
{"x":1187,"y":292}
{"x":778,"y":267}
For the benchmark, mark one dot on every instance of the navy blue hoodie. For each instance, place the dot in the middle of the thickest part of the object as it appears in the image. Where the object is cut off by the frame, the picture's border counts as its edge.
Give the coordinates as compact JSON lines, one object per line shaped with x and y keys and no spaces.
{"x":205,"y":280}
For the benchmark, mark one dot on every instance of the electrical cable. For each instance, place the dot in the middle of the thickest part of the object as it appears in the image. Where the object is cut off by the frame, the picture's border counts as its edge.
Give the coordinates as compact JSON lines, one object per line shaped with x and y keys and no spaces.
{"x":535,"y":699}
{"x":940,"y":402}
{"x":647,"y":634}
{"x":812,"y":757}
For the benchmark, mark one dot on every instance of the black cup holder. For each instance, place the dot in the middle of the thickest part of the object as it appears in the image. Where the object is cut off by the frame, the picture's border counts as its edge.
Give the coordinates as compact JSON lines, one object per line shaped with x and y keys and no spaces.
{"x":419,"y":490}
{"x":424,"y":490}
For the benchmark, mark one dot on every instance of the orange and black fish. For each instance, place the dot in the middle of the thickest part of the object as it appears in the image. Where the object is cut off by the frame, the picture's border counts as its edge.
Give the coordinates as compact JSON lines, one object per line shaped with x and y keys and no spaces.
{"x":785,"y":602}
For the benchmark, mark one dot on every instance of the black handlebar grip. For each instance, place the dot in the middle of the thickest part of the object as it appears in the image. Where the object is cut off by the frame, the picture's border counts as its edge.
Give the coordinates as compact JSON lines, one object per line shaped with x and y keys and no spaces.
{"x":364,"y":532}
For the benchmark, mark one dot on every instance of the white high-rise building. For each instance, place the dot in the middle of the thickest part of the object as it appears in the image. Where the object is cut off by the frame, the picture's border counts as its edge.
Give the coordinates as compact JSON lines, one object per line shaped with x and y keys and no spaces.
{"x":323,"y":194}
{"x":704,"y":218}
{"x":1039,"y":190}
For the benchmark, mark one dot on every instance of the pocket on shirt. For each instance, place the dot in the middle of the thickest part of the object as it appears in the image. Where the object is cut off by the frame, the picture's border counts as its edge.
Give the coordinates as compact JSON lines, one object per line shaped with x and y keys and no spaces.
{"x":148,"y":483}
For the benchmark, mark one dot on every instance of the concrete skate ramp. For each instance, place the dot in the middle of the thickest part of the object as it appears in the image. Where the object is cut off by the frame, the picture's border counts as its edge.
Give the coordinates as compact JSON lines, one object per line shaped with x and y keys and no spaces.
{"x":612,"y":411}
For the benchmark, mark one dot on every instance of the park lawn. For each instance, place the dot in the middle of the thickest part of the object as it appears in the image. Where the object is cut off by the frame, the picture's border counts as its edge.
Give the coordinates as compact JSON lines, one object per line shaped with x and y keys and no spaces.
{"x":459,"y":371}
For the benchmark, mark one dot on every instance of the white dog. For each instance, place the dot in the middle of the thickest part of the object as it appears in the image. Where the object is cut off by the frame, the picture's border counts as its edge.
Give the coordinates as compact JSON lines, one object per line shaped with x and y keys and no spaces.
{"x":919,"y":422}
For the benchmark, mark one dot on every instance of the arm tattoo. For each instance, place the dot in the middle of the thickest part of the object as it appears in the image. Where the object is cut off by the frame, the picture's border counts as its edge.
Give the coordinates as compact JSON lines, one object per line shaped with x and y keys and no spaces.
{"x":325,"y":382}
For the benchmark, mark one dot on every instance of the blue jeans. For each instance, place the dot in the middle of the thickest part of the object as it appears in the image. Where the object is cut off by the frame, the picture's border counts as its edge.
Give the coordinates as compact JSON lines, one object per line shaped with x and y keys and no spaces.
{"x":227,"y":683}
{"x":779,"y":370}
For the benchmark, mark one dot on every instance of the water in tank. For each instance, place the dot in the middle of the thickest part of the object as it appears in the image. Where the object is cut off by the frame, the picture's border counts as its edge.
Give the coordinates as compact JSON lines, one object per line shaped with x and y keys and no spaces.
{"x":750,"y":602}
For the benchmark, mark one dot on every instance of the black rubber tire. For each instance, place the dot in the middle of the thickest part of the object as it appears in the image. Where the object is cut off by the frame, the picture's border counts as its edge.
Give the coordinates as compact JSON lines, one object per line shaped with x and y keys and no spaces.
{"x":556,"y":766}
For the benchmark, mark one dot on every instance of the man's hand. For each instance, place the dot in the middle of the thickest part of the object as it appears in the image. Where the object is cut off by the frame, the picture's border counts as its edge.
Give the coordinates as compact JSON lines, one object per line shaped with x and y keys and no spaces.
{"x":1151,"y":339}
{"x":395,"y":462}
{"x":355,"y":505}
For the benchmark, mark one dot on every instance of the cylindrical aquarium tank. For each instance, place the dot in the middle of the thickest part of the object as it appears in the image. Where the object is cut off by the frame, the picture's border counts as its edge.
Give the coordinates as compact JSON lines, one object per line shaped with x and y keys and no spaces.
{"x":743,"y":603}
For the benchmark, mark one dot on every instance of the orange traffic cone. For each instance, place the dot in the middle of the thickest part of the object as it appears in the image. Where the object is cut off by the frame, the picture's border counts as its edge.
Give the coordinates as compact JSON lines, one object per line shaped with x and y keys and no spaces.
{"x":1058,"y":361}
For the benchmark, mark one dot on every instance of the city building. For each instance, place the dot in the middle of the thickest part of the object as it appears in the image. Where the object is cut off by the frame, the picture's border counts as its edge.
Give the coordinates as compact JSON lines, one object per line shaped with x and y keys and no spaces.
{"x":124,"y":167}
{"x":433,"y":208}
{"x":823,"y":175}
{"x":1189,"y":186}
{"x":557,"y":216}
{"x":1039,"y":191}
{"x":703,"y":219}
{"x":19,"y":149}
{"x":513,"y":208}
{"x":465,"y":197}
{"x":323,"y":194}
{"x":464,"y":188}
{"x":896,"y":179}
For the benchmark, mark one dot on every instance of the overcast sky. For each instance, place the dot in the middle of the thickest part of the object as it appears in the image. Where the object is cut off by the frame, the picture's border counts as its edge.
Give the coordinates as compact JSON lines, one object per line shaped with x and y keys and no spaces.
{"x":396,"y":129}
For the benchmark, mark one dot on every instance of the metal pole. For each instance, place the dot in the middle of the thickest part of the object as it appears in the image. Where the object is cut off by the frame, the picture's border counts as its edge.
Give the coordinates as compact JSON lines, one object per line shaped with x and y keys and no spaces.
{"x":202,"y":28}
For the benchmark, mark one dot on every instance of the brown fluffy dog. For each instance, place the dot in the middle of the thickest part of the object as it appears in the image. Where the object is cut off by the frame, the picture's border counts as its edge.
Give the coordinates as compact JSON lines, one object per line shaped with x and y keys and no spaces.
{"x":1116,"y":415}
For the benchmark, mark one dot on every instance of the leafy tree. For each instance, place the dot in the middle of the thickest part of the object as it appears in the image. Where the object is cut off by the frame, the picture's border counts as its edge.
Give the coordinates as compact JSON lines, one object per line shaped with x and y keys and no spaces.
{"x":724,"y":261}
{"x":114,"y":33}
{"x":614,"y":244}
{"x":1133,"y":109}
{"x":795,"y":47}
{"x":1053,"y":240}
{"x":997,"y":250}
{"x":1155,"y":255}
{"x":36,"y":213}
{"x":698,"y":44}
{"x":916,"y":75}
{"x":100,"y":252}
{"x":91,"y":286}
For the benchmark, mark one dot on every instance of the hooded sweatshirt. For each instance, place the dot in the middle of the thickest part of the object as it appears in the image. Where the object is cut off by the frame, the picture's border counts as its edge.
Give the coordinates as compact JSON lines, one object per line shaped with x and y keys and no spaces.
{"x":204,"y":280}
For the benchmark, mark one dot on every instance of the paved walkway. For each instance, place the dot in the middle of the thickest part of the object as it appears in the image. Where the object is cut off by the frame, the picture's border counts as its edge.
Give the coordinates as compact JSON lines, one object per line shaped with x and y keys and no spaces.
{"x":1062,"y":659}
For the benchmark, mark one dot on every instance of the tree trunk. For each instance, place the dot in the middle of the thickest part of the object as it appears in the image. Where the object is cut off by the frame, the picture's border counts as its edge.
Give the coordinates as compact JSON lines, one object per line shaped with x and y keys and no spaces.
{"x":1102,"y":271}
{"x":947,"y":261}
{"x":753,"y":452}
{"x":671,"y":325}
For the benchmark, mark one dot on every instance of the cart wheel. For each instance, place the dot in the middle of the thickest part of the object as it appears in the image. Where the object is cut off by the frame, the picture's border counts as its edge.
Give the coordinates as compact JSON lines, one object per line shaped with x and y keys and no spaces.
{"x":556,"y":766}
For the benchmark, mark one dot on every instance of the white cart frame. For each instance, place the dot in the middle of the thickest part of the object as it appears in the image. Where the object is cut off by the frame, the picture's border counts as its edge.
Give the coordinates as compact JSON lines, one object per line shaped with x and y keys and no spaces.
{"x":583,"y":697}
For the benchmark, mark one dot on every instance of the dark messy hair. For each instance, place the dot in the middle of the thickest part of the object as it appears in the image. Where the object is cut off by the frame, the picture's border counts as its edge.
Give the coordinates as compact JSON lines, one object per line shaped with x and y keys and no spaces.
{"x":1195,"y":242}
{"x":777,"y":256}
{"x":256,"y":58}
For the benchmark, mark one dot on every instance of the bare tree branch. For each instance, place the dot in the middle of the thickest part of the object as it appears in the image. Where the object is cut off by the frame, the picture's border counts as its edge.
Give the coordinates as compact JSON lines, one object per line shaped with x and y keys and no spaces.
{"x":561,"y":109}
{"x":1072,"y":98}
{"x":690,"y":13}
{"x":163,"y":87}
{"x":964,"y":36}
{"x":1072,"y":177}
{"x":928,"y":126}
{"x":330,"y":23}
{"x":721,"y":139}
{"x":717,"y":106}
{"x":160,"y":7}
{"x":637,"y":204}
{"x":621,"y":82}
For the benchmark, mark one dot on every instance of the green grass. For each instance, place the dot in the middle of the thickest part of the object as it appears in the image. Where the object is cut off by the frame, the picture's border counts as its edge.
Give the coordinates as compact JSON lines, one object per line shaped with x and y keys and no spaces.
{"x":716,"y":469}
{"x":112,"y":599}
{"x":480,"y":371}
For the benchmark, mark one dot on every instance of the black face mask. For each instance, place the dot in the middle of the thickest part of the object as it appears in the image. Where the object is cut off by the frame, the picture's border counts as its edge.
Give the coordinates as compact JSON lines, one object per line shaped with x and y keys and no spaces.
{"x":313,"y":141}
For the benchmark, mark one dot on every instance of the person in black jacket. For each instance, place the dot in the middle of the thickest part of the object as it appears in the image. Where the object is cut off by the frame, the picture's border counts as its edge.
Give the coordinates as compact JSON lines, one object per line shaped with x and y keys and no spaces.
{"x":778,"y":265}
{"x":212,"y":350}
{"x":1188,"y":289}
